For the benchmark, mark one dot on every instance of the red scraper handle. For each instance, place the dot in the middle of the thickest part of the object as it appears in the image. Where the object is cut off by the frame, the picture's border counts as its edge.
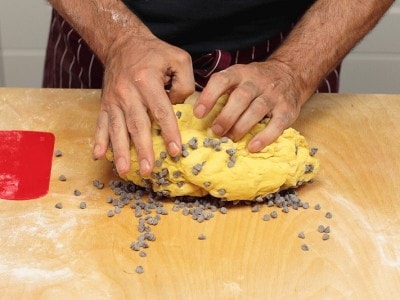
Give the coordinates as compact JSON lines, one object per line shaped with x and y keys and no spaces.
{"x":25,"y":164}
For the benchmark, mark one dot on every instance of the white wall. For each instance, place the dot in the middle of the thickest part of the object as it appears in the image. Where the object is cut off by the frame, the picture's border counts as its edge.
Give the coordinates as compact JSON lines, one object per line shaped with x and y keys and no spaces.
{"x":24,"y":26}
{"x":372,"y":67}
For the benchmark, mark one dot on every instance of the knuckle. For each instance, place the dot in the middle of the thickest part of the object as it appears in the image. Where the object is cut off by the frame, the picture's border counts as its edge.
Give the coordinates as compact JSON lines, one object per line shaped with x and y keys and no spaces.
{"x":139,"y":76}
{"x":238,"y":132}
{"x":160,"y":113}
{"x":136,"y":123}
{"x":140,"y":149}
{"x":119,"y":90}
{"x":183,"y":92}
{"x":101,"y":127}
{"x":115,"y":125}
{"x":282,"y":121}
{"x":224,"y":121}
{"x":221,"y":77}
{"x":136,"y":126}
{"x":262,"y":105}
{"x":237,"y":68}
{"x":183,"y":57}
{"x":102,"y":121}
{"x":244,"y":91}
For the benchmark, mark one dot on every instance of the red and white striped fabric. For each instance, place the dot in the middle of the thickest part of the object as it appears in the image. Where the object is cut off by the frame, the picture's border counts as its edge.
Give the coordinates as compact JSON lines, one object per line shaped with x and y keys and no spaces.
{"x":71,"y":64}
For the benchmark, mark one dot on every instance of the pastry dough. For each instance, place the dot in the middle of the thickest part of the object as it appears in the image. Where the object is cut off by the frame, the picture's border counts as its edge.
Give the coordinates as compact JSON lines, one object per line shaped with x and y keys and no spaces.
{"x":221,"y":167}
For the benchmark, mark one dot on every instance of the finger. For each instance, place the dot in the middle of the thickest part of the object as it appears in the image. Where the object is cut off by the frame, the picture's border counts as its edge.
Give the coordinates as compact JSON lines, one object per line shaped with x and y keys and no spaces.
{"x":139,"y":127}
{"x":158,"y":103}
{"x":182,"y":80}
{"x":278,"y":123}
{"x":102,"y":138}
{"x":219,"y":84}
{"x":119,"y":139}
{"x":239,"y":100}
{"x":257,"y":110}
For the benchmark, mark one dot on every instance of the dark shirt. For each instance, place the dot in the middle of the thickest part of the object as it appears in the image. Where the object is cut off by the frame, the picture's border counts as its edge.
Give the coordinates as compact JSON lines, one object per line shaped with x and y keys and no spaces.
{"x":201,"y":26}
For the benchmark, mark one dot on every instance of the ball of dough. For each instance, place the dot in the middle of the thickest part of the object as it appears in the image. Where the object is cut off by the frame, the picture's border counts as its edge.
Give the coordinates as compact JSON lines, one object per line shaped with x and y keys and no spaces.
{"x":221,"y":167}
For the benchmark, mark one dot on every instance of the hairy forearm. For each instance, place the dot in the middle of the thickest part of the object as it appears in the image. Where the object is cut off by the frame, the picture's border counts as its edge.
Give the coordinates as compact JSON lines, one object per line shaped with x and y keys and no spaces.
{"x":101,"y":23}
{"x":324,"y":35}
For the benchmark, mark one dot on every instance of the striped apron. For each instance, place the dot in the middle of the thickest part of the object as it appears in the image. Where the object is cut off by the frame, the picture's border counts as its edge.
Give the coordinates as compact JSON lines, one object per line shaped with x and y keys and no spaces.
{"x":70,"y":63}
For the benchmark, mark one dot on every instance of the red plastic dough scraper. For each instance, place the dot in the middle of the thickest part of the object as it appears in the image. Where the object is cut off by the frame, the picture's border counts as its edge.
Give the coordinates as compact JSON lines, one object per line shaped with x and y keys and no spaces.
{"x":25,"y":164}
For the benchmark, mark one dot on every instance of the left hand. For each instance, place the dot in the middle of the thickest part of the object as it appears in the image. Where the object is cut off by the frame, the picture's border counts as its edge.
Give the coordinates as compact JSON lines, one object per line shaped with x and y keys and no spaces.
{"x":255,"y":91}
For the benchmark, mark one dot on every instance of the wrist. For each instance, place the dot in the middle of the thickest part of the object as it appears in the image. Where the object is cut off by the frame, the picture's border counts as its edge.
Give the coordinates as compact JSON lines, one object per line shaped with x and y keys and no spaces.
{"x":298,"y":78}
{"x":124,"y":37}
{"x":103,"y":24}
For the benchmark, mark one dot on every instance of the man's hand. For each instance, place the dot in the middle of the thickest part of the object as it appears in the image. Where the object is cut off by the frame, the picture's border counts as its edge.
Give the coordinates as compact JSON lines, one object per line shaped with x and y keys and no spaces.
{"x":256,"y":90}
{"x":136,"y":73}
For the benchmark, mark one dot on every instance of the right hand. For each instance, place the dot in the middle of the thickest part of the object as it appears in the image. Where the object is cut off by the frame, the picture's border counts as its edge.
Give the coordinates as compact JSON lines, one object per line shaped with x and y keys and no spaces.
{"x":134,"y":94}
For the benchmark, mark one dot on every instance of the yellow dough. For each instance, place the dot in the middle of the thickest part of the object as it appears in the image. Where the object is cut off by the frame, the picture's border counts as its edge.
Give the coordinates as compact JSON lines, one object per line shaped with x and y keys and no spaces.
{"x":221,"y":167}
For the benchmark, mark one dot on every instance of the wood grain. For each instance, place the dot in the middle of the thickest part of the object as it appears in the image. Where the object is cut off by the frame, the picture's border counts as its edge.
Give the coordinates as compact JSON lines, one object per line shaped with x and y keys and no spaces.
{"x":47,"y":253}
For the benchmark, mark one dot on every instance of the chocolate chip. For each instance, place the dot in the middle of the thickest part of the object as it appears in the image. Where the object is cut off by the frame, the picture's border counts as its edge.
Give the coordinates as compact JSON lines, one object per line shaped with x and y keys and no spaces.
{"x":139,"y":269}
{"x":304,"y":247}
{"x":58,"y":153}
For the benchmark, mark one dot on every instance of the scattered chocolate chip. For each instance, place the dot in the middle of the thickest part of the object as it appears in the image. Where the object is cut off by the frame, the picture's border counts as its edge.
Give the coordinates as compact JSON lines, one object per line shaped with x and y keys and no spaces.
{"x":139,"y":269}
{"x":325,"y":236}
{"x":321,"y":228}
{"x":58,"y":153}
{"x":304,"y":247}
{"x":313,"y":151}
{"x":223,"y":210}
{"x":98,"y":184}
{"x":266,"y":217}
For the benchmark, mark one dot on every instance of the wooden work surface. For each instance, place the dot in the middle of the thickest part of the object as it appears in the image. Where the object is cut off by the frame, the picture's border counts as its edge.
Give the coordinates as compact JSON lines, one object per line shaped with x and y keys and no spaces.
{"x":73,"y":253}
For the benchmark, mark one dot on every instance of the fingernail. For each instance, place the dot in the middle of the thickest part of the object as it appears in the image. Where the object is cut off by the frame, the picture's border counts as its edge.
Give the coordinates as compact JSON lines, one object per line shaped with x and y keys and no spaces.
{"x":121,"y":165}
{"x":200,"y":111}
{"x":217,"y":129}
{"x":173,"y":149}
{"x":255,"y":146}
{"x":144,"y":167}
